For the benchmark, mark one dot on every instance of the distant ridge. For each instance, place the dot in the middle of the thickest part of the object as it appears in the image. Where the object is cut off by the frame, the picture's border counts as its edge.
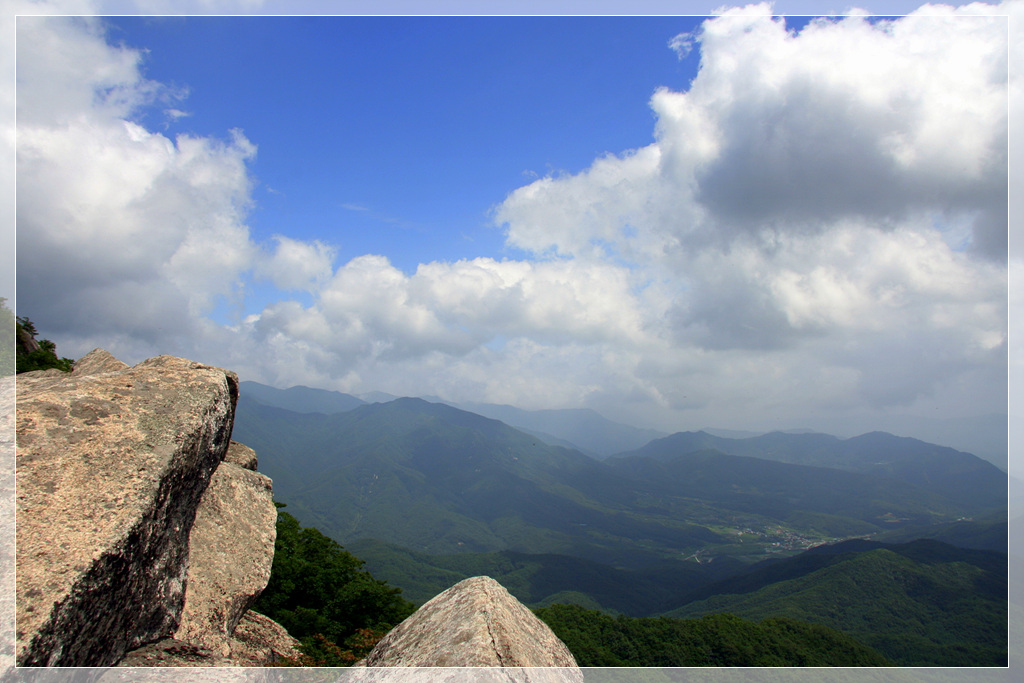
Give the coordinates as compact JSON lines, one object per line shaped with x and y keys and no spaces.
{"x":583,"y":428}
{"x":962,"y":477}
{"x":437,"y":479}
{"x":300,"y":399}
{"x":590,"y":432}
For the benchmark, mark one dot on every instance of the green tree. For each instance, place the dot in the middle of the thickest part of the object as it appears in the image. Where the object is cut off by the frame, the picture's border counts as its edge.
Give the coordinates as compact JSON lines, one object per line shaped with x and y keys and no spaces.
{"x":35,"y":354}
{"x":598,"y":639}
{"x":321,"y":594}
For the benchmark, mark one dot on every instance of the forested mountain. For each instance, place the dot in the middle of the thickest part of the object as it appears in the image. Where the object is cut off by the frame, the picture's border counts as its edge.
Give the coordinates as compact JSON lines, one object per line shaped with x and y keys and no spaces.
{"x":437,"y":479}
{"x":962,"y":477}
{"x":428,"y":494}
{"x":923,"y":603}
{"x":544,"y":579}
{"x":597,"y":639}
{"x":581,"y":428}
{"x":300,"y":399}
{"x":989,"y":532}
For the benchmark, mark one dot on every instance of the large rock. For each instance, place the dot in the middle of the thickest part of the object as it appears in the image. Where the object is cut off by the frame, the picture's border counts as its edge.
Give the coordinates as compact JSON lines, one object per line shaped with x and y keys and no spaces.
{"x":98,"y":362}
{"x":231,"y":550}
{"x":259,"y":641}
{"x":7,"y":596}
{"x":111,"y":466}
{"x":474,"y":623}
{"x":241,"y":455}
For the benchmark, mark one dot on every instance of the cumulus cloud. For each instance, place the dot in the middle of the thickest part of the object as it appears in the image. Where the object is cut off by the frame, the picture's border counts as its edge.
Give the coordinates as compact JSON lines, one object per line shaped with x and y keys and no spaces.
{"x":792,"y":131}
{"x":818,"y":225}
{"x":373,"y":310}
{"x":830,"y":202}
{"x":296,"y":265}
{"x":120,"y":229}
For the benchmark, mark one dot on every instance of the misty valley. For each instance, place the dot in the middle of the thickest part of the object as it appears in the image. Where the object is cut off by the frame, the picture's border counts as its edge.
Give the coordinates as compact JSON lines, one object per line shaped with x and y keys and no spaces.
{"x":888,"y":549}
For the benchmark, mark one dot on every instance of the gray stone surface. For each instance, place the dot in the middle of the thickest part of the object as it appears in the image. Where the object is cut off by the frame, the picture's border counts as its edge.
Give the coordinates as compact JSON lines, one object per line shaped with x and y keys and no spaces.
{"x":478,"y":674}
{"x":231,"y":550}
{"x":97,"y":362}
{"x":171,"y":652}
{"x":110,"y":470}
{"x":7,"y":595}
{"x":474,"y":623}
{"x":259,"y":640}
{"x":241,"y":455}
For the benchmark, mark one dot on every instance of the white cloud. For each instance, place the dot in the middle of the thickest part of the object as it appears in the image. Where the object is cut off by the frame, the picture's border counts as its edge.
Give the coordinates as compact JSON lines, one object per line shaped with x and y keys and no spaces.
{"x":121,"y":229}
{"x":296,"y":265}
{"x":682,"y":44}
{"x":370,"y":310}
{"x":827,"y":207}
{"x":819,"y":225}
{"x":792,"y":131}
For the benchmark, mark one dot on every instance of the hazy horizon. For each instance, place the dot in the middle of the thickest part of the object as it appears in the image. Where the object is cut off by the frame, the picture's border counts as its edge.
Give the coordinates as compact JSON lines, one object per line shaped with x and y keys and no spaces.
{"x":739,"y":221}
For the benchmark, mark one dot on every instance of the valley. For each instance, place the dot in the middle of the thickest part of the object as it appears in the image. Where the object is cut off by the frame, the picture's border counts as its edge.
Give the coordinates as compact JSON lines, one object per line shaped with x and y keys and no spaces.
{"x":428,"y":494}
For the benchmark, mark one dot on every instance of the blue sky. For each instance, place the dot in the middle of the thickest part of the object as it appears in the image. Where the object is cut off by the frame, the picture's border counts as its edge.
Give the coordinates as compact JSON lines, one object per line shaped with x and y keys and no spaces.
{"x":789,"y":223}
{"x":397,"y":135}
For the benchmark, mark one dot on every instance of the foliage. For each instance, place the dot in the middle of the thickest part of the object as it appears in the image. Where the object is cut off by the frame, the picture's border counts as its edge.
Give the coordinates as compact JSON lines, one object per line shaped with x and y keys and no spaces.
{"x":984,"y":533}
{"x":318,"y":651}
{"x":541,"y":579}
{"x":921,"y":604}
{"x":321,"y":595}
{"x":43,"y":358}
{"x":597,"y":639}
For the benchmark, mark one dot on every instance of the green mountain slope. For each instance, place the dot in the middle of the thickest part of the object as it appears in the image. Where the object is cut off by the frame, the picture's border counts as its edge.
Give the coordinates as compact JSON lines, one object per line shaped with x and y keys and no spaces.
{"x":960,"y":477}
{"x":542,"y":579}
{"x":300,"y":399}
{"x":985,"y":533}
{"x":786,"y":491}
{"x":437,"y":479}
{"x":922,"y":604}
{"x":449,"y":494}
{"x":597,"y":639}
{"x":440,"y":480}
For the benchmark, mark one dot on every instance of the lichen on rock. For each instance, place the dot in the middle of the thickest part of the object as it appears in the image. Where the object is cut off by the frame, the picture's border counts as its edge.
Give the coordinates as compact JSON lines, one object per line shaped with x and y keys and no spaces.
{"x":475,"y":623}
{"x":111,"y":465}
{"x":231,"y":550}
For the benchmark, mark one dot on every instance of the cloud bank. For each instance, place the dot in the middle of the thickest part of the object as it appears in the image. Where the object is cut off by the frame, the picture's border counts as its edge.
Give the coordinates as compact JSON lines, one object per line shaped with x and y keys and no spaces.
{"x":818,"y":227}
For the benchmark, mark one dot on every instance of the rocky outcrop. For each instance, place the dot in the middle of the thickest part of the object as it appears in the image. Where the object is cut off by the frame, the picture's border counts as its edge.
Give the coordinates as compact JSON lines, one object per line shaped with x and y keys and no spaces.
{"x":259,"y":640}
{"x":241,"y":455}
{"x":231,"y":550}
{"x":131,"y":531}
{"x":7,"y":593}
{"x":144,"y":535}
{"x":474,"y":623}
{"x":97,"y":362}
{"x":26,"y":341}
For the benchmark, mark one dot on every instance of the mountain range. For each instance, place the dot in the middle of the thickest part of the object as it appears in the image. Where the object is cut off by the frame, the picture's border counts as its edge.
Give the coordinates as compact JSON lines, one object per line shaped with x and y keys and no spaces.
{"x":592,"y":433}
{"x":427,"y":494}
